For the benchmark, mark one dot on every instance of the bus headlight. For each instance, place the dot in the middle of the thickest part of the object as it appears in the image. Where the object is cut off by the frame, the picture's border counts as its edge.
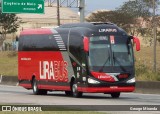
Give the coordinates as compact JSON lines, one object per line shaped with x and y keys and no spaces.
{"x":92,"y":81}
{"x":131,"y":80}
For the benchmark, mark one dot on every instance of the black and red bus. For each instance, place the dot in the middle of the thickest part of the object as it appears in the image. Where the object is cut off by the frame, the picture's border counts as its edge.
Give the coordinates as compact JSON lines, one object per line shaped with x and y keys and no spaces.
{"x":77,"y":58}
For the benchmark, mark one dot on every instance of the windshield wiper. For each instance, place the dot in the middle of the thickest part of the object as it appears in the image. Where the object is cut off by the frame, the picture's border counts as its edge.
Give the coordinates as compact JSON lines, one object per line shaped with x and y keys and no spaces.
{"x":118,"y":62}
{"x":101,"y":69}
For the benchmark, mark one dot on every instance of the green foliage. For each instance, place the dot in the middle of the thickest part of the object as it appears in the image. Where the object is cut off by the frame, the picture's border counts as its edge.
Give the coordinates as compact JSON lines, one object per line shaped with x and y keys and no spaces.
{"x":8,"y":24}
{"x":139,"y":11}
{"x":119,"y":18}
{"x":136,"y":9}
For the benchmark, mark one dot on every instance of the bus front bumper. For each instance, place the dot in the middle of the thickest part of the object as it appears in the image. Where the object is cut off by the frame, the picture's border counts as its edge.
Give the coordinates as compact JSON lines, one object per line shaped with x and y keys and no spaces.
{"x":110,"y":89}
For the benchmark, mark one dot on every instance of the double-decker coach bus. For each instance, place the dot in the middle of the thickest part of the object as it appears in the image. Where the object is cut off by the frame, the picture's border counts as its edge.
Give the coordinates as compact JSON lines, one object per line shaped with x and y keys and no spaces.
{"x":77,"y":58}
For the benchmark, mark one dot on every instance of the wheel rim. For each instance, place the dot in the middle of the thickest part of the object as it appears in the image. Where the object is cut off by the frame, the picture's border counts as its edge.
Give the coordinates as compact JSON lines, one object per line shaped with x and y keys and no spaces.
{"x":35,"y":86}
{"x":74,"y":88}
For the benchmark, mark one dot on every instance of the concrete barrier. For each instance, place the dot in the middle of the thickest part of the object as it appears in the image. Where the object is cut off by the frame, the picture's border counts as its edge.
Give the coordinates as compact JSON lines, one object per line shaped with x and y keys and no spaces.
{"x":8,"y":80}
{"x":151,"y":87}
{"x":148,"y":84}
{"x":148,"y":87}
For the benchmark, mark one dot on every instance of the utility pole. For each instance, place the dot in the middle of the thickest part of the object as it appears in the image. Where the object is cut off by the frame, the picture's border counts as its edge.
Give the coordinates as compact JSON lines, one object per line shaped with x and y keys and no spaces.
{"x":81,"y":5}
{"x":58,"y":14}
{"x":154,"y":37}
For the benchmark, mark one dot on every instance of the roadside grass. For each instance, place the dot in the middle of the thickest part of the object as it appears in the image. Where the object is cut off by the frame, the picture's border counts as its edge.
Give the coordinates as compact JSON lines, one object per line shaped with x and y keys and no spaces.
{"x":8,"y":63}
{"x":144,"y":64}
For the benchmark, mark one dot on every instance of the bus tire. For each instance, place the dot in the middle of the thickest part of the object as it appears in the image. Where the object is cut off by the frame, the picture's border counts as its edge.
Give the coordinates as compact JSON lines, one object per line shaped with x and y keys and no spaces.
{"x":115,"y":95}
{"x":35,"y":87}
{"x":37,"y":91}
{"x":75,"y":91}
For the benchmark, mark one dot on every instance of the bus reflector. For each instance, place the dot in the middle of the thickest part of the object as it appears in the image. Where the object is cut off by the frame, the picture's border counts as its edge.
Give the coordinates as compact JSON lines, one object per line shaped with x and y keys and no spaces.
{"x":86,"y":44}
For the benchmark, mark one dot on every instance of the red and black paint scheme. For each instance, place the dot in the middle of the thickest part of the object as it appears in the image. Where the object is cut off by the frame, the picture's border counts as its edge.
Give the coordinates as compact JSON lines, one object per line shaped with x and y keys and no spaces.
{"x":77,"y":58}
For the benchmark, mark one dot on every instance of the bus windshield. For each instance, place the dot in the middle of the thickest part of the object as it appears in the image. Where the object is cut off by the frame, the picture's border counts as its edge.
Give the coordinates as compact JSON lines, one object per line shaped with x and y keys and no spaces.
{"x":110,"y":52}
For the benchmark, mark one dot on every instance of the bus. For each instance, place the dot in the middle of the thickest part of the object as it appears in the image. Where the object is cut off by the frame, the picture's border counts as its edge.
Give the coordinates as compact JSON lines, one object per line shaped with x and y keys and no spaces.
{"x":77,"y":58}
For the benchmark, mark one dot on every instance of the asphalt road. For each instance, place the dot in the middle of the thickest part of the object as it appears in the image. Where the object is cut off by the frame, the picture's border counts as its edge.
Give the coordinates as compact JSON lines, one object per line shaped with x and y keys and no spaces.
{"x":19,"y":95}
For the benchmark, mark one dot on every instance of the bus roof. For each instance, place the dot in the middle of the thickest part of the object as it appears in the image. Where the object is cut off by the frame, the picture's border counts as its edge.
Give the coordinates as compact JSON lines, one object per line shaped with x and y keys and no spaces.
{"x":96,"y":27}
{"x":86,"y":24}
{"x":36,"y":31}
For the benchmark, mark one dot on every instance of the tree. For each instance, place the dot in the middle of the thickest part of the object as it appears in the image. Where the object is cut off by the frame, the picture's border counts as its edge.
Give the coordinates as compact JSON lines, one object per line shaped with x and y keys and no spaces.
{"x":139,"y":10}
{"x":8,"y":24}
{"x":110,"y":16}
{"x":117,"y":17}
{"x":133,"y":16}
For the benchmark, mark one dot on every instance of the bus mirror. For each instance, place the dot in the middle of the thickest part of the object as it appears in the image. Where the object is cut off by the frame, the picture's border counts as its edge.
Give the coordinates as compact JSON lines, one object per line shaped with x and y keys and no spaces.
{"x":137,"y":42}
{"x":86,"y":44}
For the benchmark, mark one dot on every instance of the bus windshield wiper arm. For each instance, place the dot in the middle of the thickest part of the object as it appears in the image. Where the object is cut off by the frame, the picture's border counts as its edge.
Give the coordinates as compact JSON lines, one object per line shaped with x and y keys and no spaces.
{"x":118,"y":62}
{"x":101,"y":69}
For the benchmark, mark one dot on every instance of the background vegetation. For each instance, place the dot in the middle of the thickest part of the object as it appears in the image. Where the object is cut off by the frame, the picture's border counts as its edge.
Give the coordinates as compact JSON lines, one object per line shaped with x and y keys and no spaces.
{"x":144,"y":64}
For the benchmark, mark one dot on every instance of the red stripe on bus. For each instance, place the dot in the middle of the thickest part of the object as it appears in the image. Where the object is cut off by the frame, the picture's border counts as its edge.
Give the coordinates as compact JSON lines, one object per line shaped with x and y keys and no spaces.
{"x":106,"y":89}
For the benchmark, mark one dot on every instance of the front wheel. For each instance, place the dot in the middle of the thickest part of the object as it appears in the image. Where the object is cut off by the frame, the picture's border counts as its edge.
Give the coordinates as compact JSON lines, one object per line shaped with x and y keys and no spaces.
{"x":115,"y":95}
{"x":75,"y":91}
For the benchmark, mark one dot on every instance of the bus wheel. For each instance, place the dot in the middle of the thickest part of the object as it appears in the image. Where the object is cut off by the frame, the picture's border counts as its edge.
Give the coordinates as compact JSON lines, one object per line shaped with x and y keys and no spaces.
{"x":75,"y":91}
{"x":35,"y":87}
{"x":115,"y":95}
{"x":37,"y":91}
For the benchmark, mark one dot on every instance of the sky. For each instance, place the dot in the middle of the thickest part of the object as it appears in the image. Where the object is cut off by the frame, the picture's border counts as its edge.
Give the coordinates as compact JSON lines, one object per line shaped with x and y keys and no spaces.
{"x":93,"y":5}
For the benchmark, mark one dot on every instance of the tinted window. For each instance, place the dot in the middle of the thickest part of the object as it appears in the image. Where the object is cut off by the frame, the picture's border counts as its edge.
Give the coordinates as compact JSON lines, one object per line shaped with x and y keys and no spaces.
{"x":37,"y":43}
